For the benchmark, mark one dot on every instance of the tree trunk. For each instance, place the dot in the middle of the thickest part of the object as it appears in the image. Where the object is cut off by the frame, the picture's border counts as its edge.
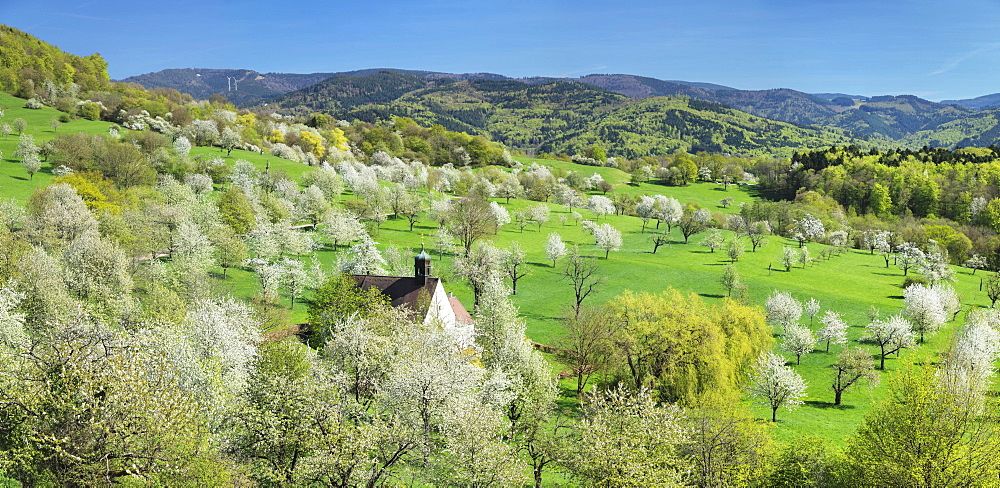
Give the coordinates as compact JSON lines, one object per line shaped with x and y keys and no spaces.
{"x":774,"y":414}
{"x":836,"y":396}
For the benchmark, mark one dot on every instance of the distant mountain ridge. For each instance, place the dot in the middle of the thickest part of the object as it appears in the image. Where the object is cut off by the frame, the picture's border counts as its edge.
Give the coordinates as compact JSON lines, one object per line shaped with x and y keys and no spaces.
{"x":240,"y":86}
{"x":782,"y":104}
{"x":979,"y":103}
{"x":903,"y":120}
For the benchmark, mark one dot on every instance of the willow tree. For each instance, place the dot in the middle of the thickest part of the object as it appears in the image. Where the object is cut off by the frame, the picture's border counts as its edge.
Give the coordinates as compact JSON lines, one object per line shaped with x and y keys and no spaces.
{"x":681,"y":347}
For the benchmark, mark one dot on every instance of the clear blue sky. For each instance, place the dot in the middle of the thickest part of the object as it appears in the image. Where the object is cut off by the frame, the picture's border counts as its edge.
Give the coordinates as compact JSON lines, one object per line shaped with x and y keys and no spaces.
{"x":936,"y":49}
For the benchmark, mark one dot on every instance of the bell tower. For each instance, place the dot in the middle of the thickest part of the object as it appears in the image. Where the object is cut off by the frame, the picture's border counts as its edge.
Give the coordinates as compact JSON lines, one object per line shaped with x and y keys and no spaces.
{"x":421,"y":266}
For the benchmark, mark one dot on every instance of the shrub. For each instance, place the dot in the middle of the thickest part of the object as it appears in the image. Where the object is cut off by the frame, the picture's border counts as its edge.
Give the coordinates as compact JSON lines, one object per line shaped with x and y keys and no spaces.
{"x":914,"y":280}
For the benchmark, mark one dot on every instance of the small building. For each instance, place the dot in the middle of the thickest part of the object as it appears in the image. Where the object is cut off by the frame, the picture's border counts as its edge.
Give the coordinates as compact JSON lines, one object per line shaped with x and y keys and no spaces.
{"x":424,"y":292}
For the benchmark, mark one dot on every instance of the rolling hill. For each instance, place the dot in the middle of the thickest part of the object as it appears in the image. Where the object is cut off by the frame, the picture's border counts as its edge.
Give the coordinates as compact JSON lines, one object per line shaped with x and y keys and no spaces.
{"x":503,"y":107}
{"x":556,"y":116}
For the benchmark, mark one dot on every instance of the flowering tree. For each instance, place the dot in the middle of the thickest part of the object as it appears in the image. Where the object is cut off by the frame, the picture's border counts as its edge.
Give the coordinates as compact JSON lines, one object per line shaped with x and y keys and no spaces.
{"x":776,"y":385}
{"x":693,"y":221}
{"x":798,"y":341}
{"x":538,"y":213}
{"x":909,"y":256}
{"x":833,"y":330}
{"x":788,"y":257}
{"x":343,"y":227}
{"x":652,"y":432}
{"x":513,"y":264}
{"x":924,"y":308}
{"x":668,"y":210}
{"x":646,"y":210}
{"x":182,"y":146}
{"x":713,"y":241}
{"x":976,"y":262}
{"x":312,"y":205}
{"x":807,"y":229}
{"x":970,"y":367}
{"x":811,"y":308}
{"x":230,"y":140}
{"x":608,"y":238}
{"x":890,"y":335}
{"x":782,"y":309}
{"x":365,"y":259}
{"x":555,"y":248}
{"x":31,"y":164}
{"x":601,"y":206}
{"x":500,"y":215}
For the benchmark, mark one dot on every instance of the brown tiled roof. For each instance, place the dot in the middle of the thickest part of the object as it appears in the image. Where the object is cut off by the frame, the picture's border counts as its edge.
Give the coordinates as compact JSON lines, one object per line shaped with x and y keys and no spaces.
{"x":460,"y":312}
{"x":400,"y":290}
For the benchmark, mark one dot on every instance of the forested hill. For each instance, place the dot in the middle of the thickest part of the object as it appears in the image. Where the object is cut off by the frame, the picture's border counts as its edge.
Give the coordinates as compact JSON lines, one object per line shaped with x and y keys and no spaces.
{"x":240,"y":86}
{"x":26,"y":63}
{"x":556,"y":116}
{"x":889,"y":121}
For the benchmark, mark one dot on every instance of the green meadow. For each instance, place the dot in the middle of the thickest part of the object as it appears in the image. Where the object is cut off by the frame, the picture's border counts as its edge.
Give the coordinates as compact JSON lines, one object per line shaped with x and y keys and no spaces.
{"x":14,"y":181}
{"x":850,"y":283}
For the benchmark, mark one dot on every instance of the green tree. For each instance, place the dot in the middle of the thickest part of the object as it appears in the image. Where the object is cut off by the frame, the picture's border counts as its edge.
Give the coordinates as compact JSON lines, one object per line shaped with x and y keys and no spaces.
{"x":337,"y":299}
{"x":806,"y":462}
{"x":881,"y":200}
{"x":236,"y":211}
{"x":925,"y":435}
{"x":991,"y":214}
{"x":678,"y":345}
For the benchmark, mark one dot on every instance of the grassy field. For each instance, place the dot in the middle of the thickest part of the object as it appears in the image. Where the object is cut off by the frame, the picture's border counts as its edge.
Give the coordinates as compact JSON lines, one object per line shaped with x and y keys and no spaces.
{"x":14,"y":181}
{"x":849,"y":283}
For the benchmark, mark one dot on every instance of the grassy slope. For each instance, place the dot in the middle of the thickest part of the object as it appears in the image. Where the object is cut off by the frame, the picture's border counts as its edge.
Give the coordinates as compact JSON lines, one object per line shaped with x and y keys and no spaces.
{"x":850,"y":283}
{"x":14,"y":182}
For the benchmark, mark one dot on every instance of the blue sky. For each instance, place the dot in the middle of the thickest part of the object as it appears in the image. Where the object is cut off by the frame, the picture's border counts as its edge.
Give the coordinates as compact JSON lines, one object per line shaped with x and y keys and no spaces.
{"x":936,"y":49}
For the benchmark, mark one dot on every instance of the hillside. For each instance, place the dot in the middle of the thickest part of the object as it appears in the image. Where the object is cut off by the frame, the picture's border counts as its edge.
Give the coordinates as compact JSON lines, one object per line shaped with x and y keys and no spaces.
{"x":556,"y":116}
{"x":238,"y":85}
{"x":27,"y":62}
{"x":978,"y":103}
{"x":370,"y":94}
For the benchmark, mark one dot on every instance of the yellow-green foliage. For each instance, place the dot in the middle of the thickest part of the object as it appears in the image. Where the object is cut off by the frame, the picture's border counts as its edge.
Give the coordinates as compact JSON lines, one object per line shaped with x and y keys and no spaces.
{"x":926,"y":435}
{"x":681,"y":347}
{"x":26,"y":61}
{"x":98,"y":192}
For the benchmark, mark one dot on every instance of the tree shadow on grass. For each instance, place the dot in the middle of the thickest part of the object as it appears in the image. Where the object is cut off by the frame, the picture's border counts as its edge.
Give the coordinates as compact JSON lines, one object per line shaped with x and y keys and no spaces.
{"x":899,"y":297}
{"x":711,"y":295}
{"x":820,"y":404}
{"x":19,"y":178}
{"x":715,"y":264}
